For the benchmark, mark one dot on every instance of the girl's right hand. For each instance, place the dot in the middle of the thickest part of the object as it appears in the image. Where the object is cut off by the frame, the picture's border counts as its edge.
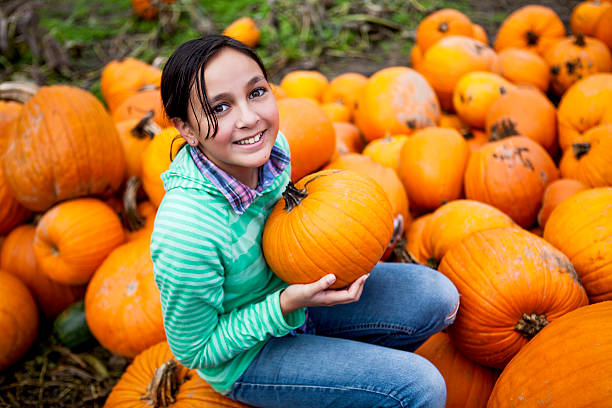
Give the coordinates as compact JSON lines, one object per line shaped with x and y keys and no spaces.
{"x":297,"y":296}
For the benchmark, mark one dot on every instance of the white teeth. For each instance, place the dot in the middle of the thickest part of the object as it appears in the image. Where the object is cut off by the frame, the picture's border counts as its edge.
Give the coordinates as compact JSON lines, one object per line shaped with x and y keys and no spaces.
{"x":251,"y":140}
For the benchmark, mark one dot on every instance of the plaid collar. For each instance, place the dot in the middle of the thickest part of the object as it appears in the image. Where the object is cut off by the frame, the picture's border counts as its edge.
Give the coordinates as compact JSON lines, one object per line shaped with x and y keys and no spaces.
{"x":239,"y":195}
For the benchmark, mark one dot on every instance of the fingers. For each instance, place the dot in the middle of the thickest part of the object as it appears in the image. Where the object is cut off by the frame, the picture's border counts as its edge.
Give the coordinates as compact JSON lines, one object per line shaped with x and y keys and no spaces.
{"x":323,"y":283}
{"x":348,"y":295}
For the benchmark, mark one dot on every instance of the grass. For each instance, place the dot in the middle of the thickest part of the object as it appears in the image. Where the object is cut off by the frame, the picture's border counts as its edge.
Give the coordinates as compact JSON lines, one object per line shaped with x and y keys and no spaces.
{"x":310,"y":34}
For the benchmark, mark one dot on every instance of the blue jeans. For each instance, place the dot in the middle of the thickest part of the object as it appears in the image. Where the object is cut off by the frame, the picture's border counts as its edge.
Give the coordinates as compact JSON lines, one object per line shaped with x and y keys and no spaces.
{"x":358,"y":354}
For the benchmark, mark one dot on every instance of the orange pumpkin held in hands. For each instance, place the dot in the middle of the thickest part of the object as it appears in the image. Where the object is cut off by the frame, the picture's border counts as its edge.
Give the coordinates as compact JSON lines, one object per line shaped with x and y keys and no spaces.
{"x":332,"y":221}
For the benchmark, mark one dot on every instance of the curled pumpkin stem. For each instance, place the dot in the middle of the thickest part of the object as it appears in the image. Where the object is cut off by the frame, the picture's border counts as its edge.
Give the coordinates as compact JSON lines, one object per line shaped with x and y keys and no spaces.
{"x":17,"y":91}
{"x":162,"y":390}
{"x":294,"y":196}
{"x":580,"y":149}
{"x":133,"y":218}
{"x":146,"y":127}
{"x":530,"y":325}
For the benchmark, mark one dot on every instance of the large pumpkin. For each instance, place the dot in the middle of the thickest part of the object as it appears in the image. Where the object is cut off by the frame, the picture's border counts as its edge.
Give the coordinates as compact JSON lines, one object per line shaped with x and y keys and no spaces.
{"x":310,"y":133}
{"x":396,"y":100}
{"x":582,"y":107}
{"x":566,"y":365}
{"x":18,"y":319}
{"x":512,"y":283}
{"x":156,"y":379}
{"x":590,"y":160}
{"x":510,"y":174}
{"x":432,"y":163}
{"x":65,"y":146}
{"x":581,"y":227}
{"x":17,"y":258}
{"x":122,"y":302}
{"x":449,"y":59}
{"x":74,"y":237}
{"x":468,"y":384}
{"x":332,"y":221}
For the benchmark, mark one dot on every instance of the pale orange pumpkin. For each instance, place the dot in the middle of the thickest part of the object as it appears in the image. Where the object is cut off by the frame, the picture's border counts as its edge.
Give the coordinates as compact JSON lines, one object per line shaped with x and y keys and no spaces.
{"x":432,"y":163}
{"x":453,"y":221}
{"x":581,"y":228}
{"x":449,"y":59}
{"x":590,"y":160}
{"x":475,"y":93}
{"x":512,"y":283}
{"x":332,"y":221}
{"x":310,"y":134}
{"x":582,"y":107}
{"x":525,"y":67}
{"x":533,"y":27}
{"x":122,"y":78}
{"x":574,"y":58}
{"x":17,"y":258}
{"x":122,"y":302}
{"x":73,"y":238}
{"x":442,"y":23}
{"x":555,"y":193}
{"x":156,"y":379}
{"x":305,"y":84}
{"x":65,"y":146}
{"x":18,"y":319}
{"x":526,"y":112}
{"x":511,"y":175}
{"x":244,"y":30}
{"x":156,"y":159}
{"x":396,"y":100}
{"x":468,"y":384}
{"x":571,"y":357}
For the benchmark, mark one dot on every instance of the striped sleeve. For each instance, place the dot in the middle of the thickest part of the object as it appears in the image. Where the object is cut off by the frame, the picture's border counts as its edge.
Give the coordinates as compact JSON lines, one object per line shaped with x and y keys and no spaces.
{"x":186,"y":249}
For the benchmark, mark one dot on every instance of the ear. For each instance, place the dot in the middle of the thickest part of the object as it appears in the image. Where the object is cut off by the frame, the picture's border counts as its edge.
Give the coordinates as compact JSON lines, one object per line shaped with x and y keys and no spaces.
{"x":185,"y":130}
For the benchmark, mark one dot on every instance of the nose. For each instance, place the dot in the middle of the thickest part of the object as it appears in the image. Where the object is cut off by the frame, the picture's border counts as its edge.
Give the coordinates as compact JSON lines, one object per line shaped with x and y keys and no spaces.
{"x":247,"y":116}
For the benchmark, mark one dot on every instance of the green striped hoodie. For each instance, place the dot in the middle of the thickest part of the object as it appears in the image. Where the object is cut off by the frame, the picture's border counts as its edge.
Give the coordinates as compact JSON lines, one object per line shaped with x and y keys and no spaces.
{"x":220,"y":300}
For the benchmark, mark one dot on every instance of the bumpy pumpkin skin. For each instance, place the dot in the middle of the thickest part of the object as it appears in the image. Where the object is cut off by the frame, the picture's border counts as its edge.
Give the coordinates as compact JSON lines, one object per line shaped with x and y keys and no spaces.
{"x":343,"y":226}
{"x":468,"y":384}
{"x":555,"y":193}
{"x":65,"y":146}
{"x":502,"y":274}
{"x":568,"y":364}
{"x":532,"y":27}
{"x":582,"y":107}
{"x":511,"y":175}
{"x":192,"y":392}
{"x":590,"y":160}
{"x":440,"y":24}
{"x":122,"y":302}
{"x":396,"y":100}
{"x":18,"y":319}
{"x":581,"y":227}
{"x":524,"y":67}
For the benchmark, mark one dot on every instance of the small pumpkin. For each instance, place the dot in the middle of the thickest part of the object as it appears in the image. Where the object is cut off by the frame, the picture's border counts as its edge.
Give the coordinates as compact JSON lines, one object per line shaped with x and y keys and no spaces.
{"x":590,"y":160}
{"x":557,"y":358}
{"x":432,"y":163}
{"x":581,"y":227}
{"x":336,"y":112}
{"x":18,"y":319}
{"x":412,"y":250}
{"x":139,"y":104}
{"x":512,"y":284}
{"x":479,"y":34}
{"x":345,"y":88}
{"x":348,"y":138}
{"x":468,"y":384}
{"x":586,"y":16}
{"x":156,"y":379}
{"x":603,"y":31}
{"x":70,"y":326}
{"x":148,"y":9}
{"x":396,"y":100}
{"x":156,"y":159}
{"x":244,"y":30}
{"x":135,"y":136}
{"x":122,"y":302}
{"x":125,"y":77}
{"x":511,"y":175}
{"x":525,"y":67}
{"x":532,"y":27}
{"x":73,"y":238}
{"x":332,"y":221}
{"x":555,"y":193}
{"x":386,"y":151}
{"x":309,"y":84}
{"x":442,"y":23}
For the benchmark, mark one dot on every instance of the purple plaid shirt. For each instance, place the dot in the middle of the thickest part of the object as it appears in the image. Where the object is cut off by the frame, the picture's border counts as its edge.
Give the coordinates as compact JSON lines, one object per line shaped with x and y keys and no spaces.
{"x":239,"y":195}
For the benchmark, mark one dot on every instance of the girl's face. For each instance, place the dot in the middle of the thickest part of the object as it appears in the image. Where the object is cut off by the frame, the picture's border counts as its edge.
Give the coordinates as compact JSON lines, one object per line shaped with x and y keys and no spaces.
{"x":246,"y":112}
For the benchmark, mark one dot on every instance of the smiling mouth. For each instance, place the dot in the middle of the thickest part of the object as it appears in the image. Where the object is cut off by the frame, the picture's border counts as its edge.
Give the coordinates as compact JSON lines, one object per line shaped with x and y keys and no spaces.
{"x":251,"y":140}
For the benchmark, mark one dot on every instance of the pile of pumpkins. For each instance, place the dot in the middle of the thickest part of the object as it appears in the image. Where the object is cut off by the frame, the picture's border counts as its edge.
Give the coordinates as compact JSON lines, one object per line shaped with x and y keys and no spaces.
{"x":493,"y":165}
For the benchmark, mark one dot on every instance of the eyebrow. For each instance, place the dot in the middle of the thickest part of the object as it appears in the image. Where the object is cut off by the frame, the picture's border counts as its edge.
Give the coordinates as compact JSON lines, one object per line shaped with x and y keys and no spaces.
{"x":226,"y":95}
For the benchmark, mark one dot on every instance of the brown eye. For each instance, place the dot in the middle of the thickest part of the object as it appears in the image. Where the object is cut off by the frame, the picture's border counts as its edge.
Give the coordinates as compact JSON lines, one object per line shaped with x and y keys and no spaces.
{"x":257,"y":92}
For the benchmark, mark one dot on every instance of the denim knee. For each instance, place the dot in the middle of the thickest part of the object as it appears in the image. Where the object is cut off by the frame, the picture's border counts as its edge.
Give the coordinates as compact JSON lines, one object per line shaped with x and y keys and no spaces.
{"x":432,"y":390}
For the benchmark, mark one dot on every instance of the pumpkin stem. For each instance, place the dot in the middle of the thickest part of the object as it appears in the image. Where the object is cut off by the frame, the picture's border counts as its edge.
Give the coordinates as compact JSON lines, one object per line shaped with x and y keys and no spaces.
{"x":467,"y":134}
{"x":580,"y":41}
{"x":162,"y":390}
{"x":580,"y":149}
{"x":402,"y":254}
{"x":133,"y":218}
{"x":293,"y":196}
{"x":503,"y":129}
{"x":17,"y":91}
{"x":443,"y":27}
{"x":532,"y":38}
{"x":146,"y":127}
{"x":530,"y":325}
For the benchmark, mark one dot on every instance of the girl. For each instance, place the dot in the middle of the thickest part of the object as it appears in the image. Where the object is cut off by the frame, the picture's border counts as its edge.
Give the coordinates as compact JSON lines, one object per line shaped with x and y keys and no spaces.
{"x":225,"y":313}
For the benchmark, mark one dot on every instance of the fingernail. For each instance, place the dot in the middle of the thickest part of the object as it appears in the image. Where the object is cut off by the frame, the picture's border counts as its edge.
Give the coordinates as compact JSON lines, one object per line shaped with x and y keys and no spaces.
{"x":366,"y":276}
{"x":331,"y":279}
